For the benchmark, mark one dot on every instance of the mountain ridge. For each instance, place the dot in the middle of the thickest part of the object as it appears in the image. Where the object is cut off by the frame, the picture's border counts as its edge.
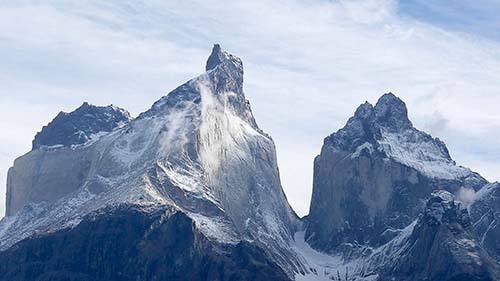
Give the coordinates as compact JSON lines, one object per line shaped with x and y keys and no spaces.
{"x":79,"y":126}
{"x":199,"y":183}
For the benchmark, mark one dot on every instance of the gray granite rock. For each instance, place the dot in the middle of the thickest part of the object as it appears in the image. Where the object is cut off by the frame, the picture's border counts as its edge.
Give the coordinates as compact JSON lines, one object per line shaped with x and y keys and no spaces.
{"x":441,"y":246}
{"x":80,"y":125}
{"x":197,"y":150}
{"x":485,"y":214}
{"x":372,"y":177}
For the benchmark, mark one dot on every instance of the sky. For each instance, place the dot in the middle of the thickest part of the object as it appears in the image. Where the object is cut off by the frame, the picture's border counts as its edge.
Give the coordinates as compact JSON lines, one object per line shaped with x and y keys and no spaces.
{"x":308,"y":65}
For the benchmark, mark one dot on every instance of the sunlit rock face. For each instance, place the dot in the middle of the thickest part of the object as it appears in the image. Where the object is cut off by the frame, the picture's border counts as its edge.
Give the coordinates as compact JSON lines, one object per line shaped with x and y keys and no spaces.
{"x":372,"y":177}
{"x":59,"y":162}
{"x":197,"y":150}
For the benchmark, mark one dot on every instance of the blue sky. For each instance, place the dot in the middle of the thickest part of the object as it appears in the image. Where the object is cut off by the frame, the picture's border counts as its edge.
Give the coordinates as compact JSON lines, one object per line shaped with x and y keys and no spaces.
{"x":308,"y":65}
{"x":476,"y":17}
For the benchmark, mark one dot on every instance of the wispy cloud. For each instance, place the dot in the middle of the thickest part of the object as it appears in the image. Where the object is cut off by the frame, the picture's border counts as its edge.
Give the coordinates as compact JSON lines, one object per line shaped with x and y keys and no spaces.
{"x":308,"y":65}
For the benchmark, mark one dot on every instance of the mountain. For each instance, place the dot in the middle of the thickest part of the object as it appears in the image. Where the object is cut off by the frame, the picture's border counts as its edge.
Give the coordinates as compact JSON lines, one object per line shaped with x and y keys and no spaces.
{"x":372,"y":177}
{"x":198,"y":152}
{"x":386,"y":203}
{"x":190,"y":190}
{"x":440,"y":245}
{"x":485,"y":214}
{"x":71,"y":130}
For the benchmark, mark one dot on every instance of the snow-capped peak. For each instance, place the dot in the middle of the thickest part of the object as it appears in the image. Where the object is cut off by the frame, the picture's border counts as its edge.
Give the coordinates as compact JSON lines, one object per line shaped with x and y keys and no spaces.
{"x":387,"y":129}
{"x":391,"y":112}
{"x":223,"y":80}
{"x":198,"y":150}
{"x":220,"y":56}
{"x":80,"y":126}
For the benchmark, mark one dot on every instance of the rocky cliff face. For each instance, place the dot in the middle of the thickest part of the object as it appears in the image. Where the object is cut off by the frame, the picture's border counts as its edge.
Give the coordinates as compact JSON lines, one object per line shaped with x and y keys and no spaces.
{"x":80,"y":126}
{"x":485,"y":214}
{"x":440,"y":245}
{"x":198,"y":150}
{"x":372,"y":176}
{"x":33,"y":178}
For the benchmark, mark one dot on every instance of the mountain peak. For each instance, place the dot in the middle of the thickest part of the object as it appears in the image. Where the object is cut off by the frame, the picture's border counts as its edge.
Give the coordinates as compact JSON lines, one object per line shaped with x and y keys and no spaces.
{"x":391,"y":112}
{"x":364,"y":111}
{"x":386,"y":128}
{"x":220,"y":57}
{"x":223,"y":79}
{"x":78,"y":126}
{"x":388,"y":114}
{"x":215,"y":57}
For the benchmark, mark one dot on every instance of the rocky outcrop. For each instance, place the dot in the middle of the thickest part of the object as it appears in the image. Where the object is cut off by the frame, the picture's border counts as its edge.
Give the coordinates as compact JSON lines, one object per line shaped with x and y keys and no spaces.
{"x":131,"y":243}
{"x":55,"y":167}
{"x":441,"y":246}
{"x":372,"y":176}
{"x":485,"y":214}
{"x":80,"y":126}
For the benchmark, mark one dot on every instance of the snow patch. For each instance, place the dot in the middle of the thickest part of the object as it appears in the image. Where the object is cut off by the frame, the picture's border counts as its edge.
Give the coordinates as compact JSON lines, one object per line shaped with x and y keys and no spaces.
{"x":323,"y":267}
{"x":413,"y":150}
{"x":215,"y":228}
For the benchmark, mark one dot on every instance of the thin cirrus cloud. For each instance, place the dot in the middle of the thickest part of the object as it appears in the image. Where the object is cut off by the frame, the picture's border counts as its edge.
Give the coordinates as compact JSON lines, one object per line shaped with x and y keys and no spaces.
{"x":308,"y":64}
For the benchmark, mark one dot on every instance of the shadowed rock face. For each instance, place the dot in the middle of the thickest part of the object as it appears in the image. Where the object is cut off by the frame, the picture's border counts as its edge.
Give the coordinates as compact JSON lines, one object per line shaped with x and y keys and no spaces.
{"x":372,"y":176}
{"x":77,"y":127}
{"x":441,"y":247}
{"x":128,"y":243}
{"x":485,"y":214}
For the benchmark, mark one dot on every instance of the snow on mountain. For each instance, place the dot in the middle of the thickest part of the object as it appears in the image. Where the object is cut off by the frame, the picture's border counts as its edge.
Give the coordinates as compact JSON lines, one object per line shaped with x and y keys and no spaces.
{"x":426,"y":155}
{"x":197,"y":165}
{"x":85,"y":124}
{"x":438,"y":245}
{"x":485,"y":214}
{"x":198,"y":149}
{"x":373,"y":175}
{"x":386,"y":127}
